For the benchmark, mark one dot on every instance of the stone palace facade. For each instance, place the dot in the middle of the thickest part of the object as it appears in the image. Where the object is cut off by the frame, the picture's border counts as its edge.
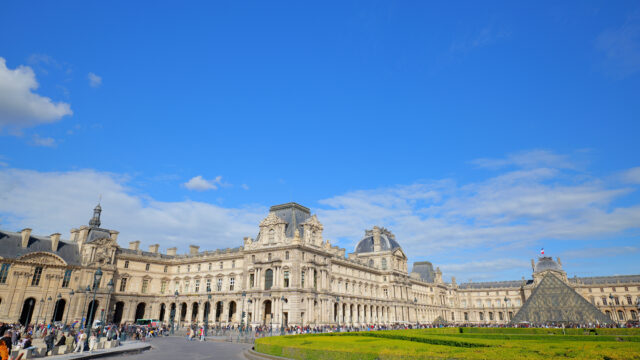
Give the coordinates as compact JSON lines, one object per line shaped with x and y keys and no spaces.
{"x":288,"y":275}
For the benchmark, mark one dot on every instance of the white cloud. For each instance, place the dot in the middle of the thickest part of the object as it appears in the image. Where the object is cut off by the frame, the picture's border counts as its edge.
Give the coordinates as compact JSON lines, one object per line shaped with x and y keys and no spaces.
{"x":43,"y":141}
{"x":58,"y":201}
{"x":527,"y":159}
{"x":20,"y":107}
{"x":94,"y":80}
{"x":513,"y":210}
{"x":631,"y":176}
{"x":481,"y":270}
{"x":621,"y":48}
{"x":199,"y":183}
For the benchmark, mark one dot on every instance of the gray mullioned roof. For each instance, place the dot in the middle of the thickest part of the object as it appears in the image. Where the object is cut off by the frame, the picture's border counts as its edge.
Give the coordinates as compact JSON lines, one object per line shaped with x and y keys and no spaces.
{"x":293,"y":214}
{"x":615,"y":279}
{"x":11,"y":247}
{"x":494,"y":284}
{"x":425,"y":270}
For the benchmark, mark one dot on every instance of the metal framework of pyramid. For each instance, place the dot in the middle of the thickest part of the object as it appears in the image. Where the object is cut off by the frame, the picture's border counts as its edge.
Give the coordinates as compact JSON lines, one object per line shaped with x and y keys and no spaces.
{"x":554,"y":301}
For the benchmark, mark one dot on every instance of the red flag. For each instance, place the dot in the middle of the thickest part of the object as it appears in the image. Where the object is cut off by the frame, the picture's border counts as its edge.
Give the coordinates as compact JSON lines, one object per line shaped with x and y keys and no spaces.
{"x":542,"y":251}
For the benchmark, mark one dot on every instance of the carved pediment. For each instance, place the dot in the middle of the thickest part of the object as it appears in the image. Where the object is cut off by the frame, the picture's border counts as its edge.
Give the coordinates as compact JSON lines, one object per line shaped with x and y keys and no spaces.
{"x":43,"y":258}
{"x":104,"y":242}
{"x":272,"y":220}
{"x":313,"y":223}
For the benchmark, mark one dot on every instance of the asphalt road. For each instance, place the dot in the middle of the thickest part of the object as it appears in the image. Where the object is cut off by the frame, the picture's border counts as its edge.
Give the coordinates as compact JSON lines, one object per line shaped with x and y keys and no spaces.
{"x":178,"y":348}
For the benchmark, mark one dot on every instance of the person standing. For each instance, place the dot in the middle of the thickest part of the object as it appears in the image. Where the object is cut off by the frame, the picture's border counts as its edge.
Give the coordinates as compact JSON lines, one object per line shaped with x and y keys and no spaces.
{"x":93,"y":341}
{"x":80,"y":341}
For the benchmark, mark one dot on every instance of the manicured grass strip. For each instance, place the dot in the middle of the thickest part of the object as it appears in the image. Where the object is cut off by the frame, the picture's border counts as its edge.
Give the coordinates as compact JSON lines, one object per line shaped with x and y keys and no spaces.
{"x":399,"y":335}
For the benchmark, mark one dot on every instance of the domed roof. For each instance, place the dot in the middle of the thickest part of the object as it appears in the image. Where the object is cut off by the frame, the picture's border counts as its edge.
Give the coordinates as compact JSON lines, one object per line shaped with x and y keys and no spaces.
{"x":546,"y":263}
{"x":387,"y":241}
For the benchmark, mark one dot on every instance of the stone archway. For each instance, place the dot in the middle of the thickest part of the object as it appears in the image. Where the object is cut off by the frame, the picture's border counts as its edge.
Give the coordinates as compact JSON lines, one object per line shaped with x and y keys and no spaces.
{"x":194,"y":312}
{"x":232,"y":311}
{"x":267,"y":317}
{"x":58,"y":310}
{"x":92,"y":308}
{"x":162,"y":311}
{"x":140,"y":308}
{"x":27,"y":311}
{"x":117,"y":316}
{"x":183,"y":312}
{"x":219,"y":311}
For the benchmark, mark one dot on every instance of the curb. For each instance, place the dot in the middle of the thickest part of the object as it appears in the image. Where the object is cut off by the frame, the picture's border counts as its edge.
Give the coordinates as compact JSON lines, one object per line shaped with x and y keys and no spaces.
{"x":253,"y":355}
{"x":108,"y":353}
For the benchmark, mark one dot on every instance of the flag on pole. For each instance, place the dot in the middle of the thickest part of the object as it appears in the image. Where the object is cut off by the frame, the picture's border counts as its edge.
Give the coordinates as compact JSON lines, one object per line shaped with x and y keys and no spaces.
{"x":542,"y":251}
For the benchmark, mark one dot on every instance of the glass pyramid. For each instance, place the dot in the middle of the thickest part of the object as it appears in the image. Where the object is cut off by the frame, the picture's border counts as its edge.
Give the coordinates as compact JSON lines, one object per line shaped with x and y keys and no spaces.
{"x":554,"y":301}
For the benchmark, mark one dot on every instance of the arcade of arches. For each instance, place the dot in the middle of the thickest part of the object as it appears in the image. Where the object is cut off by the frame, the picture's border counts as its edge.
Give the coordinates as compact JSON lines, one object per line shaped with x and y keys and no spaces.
{"x":288,"y":274}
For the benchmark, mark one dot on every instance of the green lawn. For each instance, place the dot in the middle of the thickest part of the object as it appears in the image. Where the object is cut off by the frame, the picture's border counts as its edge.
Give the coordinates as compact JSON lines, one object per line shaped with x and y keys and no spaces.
{"x":459,"y":343}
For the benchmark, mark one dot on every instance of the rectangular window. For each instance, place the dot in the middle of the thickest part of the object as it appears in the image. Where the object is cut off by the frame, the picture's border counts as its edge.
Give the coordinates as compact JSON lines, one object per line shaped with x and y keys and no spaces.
{"x":186,"y":286}
{"x":145,"y":286}
{"x":302,"y":279}
{"x":166,"y":268}
{"x":198,"y":267}
{"x":146,"y":267}
{"x":286,"y":279}
{"x":628,"y":299}
{"x":197,"y":289}
{"x":252,"y":280}
{"x":163,"y":287}
{"x":232,"y":283}
{"x":221,"y":264}
{"x":386,"y":292}
{"x":4,"y":272}
{"x":233,"y":264}
{"x":210,"y":266}
{"x":208,"y":285}
{"x":188,"y":268}
{"x":123,"y":285}
{"x":617,"y":300}
{"x":126,"y":264}
{"x":35,"y":281}
{"x":66,"y":279}
{"x":604,"y":300}
{"x":219,"y":285}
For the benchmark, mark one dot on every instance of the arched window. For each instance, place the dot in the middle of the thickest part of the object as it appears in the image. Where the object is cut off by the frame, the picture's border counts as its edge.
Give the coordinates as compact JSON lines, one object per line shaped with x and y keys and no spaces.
{"x":272,"y":236}
{"x":371,"y":262}
{"x":268,"y":279}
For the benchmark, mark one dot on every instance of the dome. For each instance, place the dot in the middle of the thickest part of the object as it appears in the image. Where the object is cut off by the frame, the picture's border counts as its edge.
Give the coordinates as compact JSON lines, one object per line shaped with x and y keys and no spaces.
{"x":387,"y":241}
{"x":546,"y":263}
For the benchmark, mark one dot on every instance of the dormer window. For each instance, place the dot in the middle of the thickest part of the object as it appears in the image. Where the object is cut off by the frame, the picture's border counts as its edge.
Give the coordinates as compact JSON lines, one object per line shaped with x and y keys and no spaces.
{"x":272,"y":236}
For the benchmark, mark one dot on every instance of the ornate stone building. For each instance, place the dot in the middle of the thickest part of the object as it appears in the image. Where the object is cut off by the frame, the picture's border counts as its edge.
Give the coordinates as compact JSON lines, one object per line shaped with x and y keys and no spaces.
{"x":288,"y":274}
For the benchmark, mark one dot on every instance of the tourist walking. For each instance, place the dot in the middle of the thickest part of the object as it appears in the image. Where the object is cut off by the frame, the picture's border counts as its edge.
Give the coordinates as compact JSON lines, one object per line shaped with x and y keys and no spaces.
{"x":93,"y":341}
{"x":80,"y":341}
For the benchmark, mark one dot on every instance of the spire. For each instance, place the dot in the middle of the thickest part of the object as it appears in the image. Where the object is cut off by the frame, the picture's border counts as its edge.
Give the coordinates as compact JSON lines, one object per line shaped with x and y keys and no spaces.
{"x":95,"y":220}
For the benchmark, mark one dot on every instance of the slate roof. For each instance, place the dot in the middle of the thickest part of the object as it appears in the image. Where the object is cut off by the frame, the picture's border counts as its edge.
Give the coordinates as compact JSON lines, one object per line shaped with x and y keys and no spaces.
{"x":11,"y":247}
{"x":546,"y":263}
{"x":554,"y":301}
{"x":607,"y":279}
{"x":425,"y":270}
{"x":386,"y":243}
{"x":293,"y":214}
{"x":494,"y":284}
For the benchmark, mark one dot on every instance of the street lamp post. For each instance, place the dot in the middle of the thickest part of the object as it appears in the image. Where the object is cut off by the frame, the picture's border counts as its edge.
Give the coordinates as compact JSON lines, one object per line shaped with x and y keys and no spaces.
{"x":613,"y":311}
{"x":415,"y":304}
{"x":106,"y":308}
{"x":282,"y":315}
{"x":338,"y":311}
{"x":66,"y":320}
{"x":55,"y":308}
{"x":39,"y":311}
{"x":172,"y":314}
{"x":49,"y":299}
{"x":84,"y":305}
{"x":207,"y":309}
{"x":247,"y":329}
{"x":96,"y":282}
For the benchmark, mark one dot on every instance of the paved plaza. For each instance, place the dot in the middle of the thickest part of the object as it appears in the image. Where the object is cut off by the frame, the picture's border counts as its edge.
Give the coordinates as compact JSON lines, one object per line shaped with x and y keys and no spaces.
{"x":177,"y":348}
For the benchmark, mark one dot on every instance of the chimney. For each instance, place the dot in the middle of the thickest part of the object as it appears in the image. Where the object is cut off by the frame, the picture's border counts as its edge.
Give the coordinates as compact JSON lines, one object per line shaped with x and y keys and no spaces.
{"x":26,"y":235}
{"x":114,"y":235}
{"x":172,"y":251}
{"x":376,"y":238}
{"x":55,"y":240}
{"x":74,"y":235}
{"x":134,"y":245}
{"x":154,"y":248}
{"x":559,"y":262}
{"x":453,"y":280}
{"x":193,"y":249}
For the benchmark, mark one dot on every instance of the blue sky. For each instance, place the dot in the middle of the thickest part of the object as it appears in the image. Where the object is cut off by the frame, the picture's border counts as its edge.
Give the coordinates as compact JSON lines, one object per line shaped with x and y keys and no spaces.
{"x":477,"y":132}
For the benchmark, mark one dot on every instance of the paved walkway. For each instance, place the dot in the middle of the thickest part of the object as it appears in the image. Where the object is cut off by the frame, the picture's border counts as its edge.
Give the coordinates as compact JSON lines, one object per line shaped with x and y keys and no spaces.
{"x":178,"y":348}
{"x":127,"y":348}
